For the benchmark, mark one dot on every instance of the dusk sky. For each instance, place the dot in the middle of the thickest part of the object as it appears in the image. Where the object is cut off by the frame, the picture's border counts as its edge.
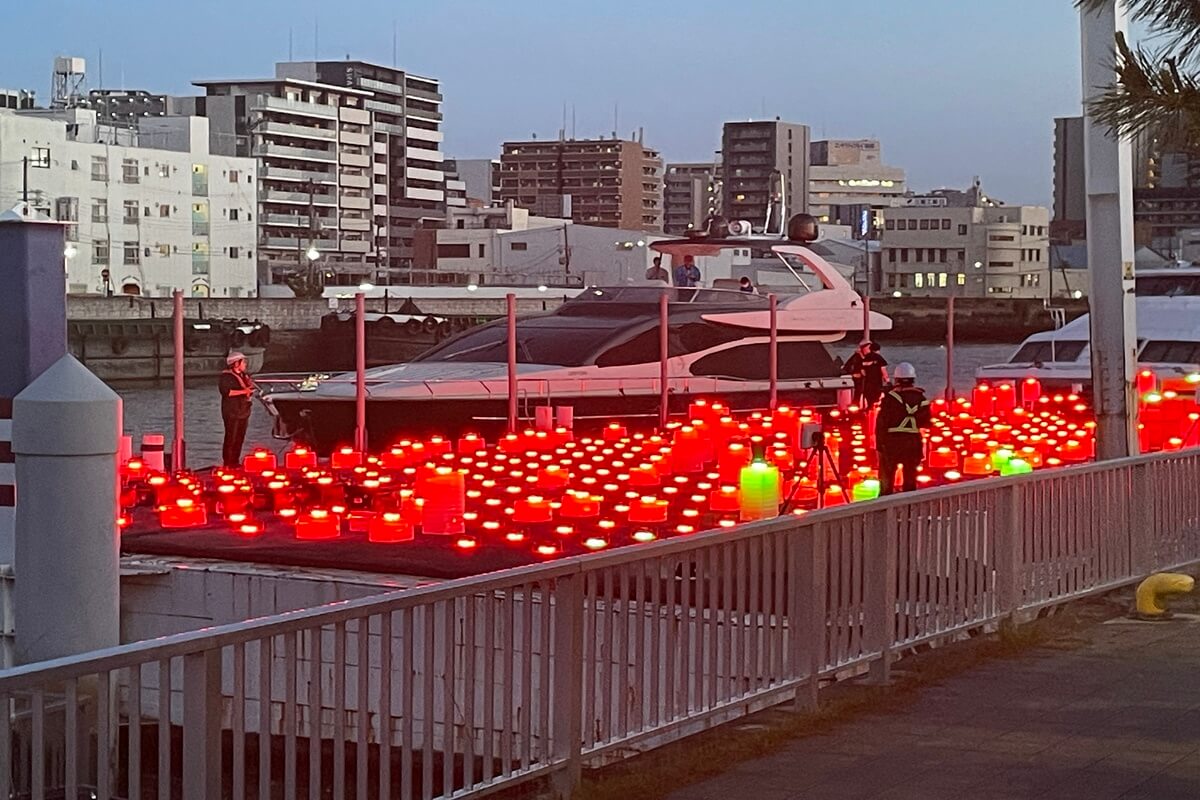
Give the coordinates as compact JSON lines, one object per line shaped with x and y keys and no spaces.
{"x":951,"y":88}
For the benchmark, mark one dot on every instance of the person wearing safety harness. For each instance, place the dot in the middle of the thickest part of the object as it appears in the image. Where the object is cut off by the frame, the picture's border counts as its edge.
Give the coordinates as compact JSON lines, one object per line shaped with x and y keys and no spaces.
{"x":903,"y":414}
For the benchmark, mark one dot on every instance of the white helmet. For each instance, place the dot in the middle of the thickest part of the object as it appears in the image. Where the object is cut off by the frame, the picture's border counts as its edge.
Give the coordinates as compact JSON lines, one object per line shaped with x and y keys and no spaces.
{"x":905,"y":371}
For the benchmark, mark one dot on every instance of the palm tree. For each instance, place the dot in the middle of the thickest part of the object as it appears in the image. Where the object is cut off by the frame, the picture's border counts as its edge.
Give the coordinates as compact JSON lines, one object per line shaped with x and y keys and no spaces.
{"x":1157,"y":90}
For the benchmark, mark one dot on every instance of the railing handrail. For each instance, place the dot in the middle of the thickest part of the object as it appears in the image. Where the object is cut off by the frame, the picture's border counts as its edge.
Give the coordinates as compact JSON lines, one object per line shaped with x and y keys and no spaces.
{"x":40,"y":673}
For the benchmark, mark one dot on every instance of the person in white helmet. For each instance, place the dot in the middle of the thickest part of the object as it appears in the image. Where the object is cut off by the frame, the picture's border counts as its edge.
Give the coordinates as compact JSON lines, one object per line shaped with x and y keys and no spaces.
{"x":236,"y":390}
{"x":903,"y":414}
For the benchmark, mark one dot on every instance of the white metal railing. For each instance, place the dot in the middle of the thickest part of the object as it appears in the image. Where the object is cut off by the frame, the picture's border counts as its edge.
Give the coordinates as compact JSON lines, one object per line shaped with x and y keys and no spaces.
{"x":463,"y":686}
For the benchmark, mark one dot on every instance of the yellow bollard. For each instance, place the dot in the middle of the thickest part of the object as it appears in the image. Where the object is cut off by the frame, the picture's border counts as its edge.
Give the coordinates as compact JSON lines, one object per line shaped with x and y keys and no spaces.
{"x":1152,"y":591}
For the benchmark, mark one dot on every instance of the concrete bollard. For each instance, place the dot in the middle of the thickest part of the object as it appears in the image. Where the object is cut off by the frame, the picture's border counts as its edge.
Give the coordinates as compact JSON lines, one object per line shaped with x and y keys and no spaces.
{"x":33,"y":330}
{"x":66,"y":434}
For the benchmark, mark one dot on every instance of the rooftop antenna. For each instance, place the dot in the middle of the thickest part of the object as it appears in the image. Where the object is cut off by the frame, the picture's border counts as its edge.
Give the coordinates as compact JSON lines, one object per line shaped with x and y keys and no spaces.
{"x":394,"y":59}
{"x":316,"y":39}
{"x":572,"y":122}
{"x":290,"y":56}
{"x":616,"y":108}
{"x":562,"y":132}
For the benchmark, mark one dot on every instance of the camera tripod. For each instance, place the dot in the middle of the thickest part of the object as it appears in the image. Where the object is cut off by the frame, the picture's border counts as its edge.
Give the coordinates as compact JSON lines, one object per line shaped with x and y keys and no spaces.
{"x":823,"y":457}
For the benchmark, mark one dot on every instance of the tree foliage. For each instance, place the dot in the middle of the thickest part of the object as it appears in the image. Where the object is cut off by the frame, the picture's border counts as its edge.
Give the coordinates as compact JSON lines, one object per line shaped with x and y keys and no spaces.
{"x":1156,"y":89}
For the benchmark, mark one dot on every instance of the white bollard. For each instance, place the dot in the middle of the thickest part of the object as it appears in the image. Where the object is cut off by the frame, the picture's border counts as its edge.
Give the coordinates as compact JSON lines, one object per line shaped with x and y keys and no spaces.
{"x":564,"y":417}
{"x":543,"y":417}
{"x":126,"y":451}
{"x":66,"y":435}
{"x":153,"y":445}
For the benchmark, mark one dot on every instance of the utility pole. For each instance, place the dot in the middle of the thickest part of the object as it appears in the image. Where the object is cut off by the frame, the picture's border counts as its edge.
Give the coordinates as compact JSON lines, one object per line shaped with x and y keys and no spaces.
{"x":25,"y":179}
{"x":1109,"y":186}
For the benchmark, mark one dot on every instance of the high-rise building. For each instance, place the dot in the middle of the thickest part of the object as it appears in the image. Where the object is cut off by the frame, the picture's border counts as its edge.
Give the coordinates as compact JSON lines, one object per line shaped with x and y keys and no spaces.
{"x":848,"y":179}
{"x":482,"y":179}
{"x":758,"y":159}
{"x":1166,"y":189}
{"x":691,"y":194}
{"x":406,"y":136}
{"x":612,"y":183}
{"x":146,"y":210}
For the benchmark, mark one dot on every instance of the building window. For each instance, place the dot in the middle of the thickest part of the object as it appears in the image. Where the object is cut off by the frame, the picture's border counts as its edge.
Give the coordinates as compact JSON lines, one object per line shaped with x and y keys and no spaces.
{"x":932,"y":255}
{"x":918,"y":280}
{"x":929,"y":279}
{"x":129,"y":171}
{"x":945,"y":224}
{"x":962,"y":230}
{"x":941,"y":280}
{"x":40,"y":158}
{"x":164,"y":250}
{"x":481,"y":251}
{"x":233,"y":176}
{"x":99,"y":210}
{"x":903,"y":255}
{"x":889,"y":225}
{"x":100,"y":253}
{"x":942,"y":255}
{"x":924,"y":225}
{"x":131,"y":209}
{"x":133,"y":254}
{"x":233,"y":214}
{"x":920,"y":253}
{"x":164,"y":170}
{"x":1000,"y":264}
{"x":891,"y":254}
{"x":164,"y":211}
{"x":961,"y":279}
{"x":233,"y":252}
{"x":99,"y":168}
{"x":518,"y":246}
{"x":454,"y":251}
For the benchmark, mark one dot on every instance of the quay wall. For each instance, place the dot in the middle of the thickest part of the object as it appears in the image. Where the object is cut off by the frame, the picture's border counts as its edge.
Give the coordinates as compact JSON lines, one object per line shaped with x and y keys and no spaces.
{"x":915,"y":319}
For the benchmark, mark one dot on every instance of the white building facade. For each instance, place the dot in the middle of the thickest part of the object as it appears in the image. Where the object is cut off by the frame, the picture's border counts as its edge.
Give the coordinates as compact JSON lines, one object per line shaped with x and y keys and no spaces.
{"x":148,"y":211}
{"x":967,"y":251}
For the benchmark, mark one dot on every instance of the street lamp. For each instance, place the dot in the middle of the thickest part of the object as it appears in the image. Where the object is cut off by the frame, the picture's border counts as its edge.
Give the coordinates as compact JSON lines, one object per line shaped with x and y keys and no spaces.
{"x":312,"y":254}
{"x":70,"y":251}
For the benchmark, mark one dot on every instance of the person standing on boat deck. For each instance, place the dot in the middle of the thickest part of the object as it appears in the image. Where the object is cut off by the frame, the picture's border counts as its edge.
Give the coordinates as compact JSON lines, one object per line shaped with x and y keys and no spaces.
{"x":236,"y":390}
{"x":869,"y":370}
{"x":903,"y":414}
{"x":687,"y":274}
{"x":656,"y":272}
{"x":746,"y":285}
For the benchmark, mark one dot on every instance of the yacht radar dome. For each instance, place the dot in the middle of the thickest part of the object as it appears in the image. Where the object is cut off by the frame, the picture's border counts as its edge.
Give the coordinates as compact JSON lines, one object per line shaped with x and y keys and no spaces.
{"x":802,"y":228}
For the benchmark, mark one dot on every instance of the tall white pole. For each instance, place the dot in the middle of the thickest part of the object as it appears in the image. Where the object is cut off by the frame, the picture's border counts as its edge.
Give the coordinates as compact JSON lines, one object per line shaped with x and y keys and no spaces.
{"x":178,"y":456}
{"x":1109,"y":182}
{"x":360,"y":373}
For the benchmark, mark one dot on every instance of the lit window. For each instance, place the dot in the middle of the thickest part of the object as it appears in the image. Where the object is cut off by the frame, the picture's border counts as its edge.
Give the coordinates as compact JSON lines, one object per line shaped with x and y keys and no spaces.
{"x":919,"y":280}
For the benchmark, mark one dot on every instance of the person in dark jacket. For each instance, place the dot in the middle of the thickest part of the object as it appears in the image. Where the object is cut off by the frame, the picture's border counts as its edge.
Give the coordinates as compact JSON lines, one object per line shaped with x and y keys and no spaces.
{"x":869,"y":370}
{"x":687,"y":274}
{"x":903,"y":414}
{"x":236,"y":390}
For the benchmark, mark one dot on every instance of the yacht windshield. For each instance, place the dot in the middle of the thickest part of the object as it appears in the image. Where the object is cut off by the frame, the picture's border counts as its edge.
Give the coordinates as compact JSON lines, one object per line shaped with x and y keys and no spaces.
{"x":1047,"y":351}
{"x":558,"y":346}
{"x":1168,"y":286}
{"x":1166,"y":352}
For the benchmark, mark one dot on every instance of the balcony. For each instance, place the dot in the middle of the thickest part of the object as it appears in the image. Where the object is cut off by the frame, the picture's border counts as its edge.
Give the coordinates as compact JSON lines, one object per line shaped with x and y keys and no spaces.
{"x":200,"y":227}
{"x":355,"y":246}
{"x":416,"y":193}
{"x":293,"y":243}
{"x":355,"y":181}
{"x":359,"y":203}
{"x":420,"y":154}
{"x":298,"y":221}
{"x":419,"y":174}
{"x":283,"y":105}
{"x":201,"y":263}
{"x":300,"y":131}
{"x":354,"y":159}
{"x":298,"y":153}
{"x":199,"y":184}
{"x":356,"y":139}
{"x":423,"y":94}
{"x":318,"y":199}
{"x":284,"y":174}
{"x":355,"y":224}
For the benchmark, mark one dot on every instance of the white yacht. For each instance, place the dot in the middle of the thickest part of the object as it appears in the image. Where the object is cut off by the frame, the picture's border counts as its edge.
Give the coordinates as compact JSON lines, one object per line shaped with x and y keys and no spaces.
{"x":1168,"y":331}
{"x":599,"y":353}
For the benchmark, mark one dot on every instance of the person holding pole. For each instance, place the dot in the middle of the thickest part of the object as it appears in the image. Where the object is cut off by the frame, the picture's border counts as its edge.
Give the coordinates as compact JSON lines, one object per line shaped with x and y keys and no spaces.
{"x":236,"y":389}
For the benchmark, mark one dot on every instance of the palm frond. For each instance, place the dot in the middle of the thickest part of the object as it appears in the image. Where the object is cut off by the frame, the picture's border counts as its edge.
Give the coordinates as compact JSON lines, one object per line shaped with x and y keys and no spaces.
{"x":1176,"y":23}
{"x":1151,"y":95}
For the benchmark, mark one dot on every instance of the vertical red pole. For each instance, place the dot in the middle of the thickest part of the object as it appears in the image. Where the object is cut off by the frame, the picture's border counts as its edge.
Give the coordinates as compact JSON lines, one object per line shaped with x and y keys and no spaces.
{"x":664,"y":353}
{"x":950,"y":349}
{"x":510,"y":300}
{"x":773,"y":398}
{"x":360,"y":372}
{"x":866,"y":303}
{"x":179,"y":458}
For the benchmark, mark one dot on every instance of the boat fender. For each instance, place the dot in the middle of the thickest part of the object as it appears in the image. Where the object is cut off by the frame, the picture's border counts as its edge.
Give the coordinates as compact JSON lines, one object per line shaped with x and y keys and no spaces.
{"x":385,"y":322}
{"x":119,"y":345}
{"x":444,"y":329}
{"x":412,"y":327}
{"x":261,"y":336}
{"x":430,"y":324}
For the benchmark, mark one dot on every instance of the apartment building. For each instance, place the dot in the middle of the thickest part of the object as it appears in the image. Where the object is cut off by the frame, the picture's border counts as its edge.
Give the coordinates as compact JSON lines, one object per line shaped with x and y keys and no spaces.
{"x":482,"y":179}
{"x":140,"y":220}
{"x":691,"y":194}
{"x":610,"y":183}
{"x":967,"y":251}
{"x":407,"y":160}
{"x":316,"y":182}
{"x":847,"y":179}
{"x":760,"y":159}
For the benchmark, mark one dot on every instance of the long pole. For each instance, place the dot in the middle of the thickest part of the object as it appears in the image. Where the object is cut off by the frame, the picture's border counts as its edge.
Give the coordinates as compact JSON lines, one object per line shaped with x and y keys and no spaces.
{"x":866,"y":304}
{"x":773,"y":398}
{"x":664,"y":353}
{"x":950,"y":349}
{"x":360,"y":372}
{"x":25,"y":179}
{"x":510,"y":301}
{"x":178,"y":455}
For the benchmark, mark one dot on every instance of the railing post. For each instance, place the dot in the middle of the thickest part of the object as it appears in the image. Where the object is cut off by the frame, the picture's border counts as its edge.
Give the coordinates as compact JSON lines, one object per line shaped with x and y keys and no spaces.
{"x":879,"y":593}
{"x":1008,"y":537}
{"x":567,"y":697}
{"x":806,"y":610}
{"x":202,"y":725}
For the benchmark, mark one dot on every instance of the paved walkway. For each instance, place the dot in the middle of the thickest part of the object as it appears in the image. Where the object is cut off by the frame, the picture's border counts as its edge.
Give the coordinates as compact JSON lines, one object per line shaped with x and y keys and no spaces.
{"x":1117,"y":717}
